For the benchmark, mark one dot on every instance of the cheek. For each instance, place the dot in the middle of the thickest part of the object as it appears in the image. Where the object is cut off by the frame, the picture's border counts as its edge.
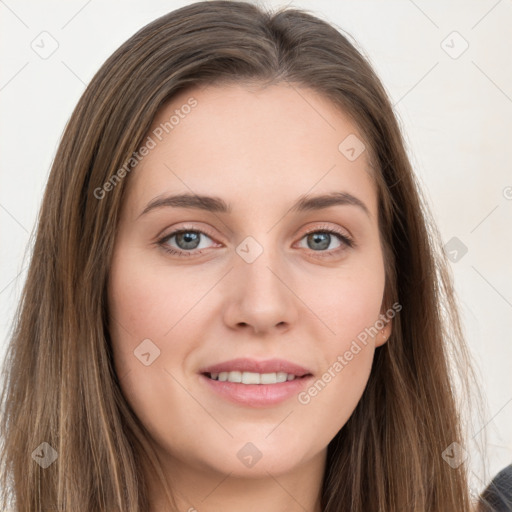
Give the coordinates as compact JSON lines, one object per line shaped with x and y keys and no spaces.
{"x":347,"y":356}
{"x":147,"y":299}
{"x":349,"y":305}
{"x":144,"y":304}
{"x":349,"y":300}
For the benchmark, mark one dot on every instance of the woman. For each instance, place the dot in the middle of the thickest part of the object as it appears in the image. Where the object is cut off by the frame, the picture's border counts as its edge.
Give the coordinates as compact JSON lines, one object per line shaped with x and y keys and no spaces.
{"x":237,"y":297}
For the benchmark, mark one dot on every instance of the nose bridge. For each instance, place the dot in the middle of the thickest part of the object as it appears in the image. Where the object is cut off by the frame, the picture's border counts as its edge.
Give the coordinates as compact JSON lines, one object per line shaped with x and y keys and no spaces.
{"x":261,"y":298}
{"x":259,"y":260}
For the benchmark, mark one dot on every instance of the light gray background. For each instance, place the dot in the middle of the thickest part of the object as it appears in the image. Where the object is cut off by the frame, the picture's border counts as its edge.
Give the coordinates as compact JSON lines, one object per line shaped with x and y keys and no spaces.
{"x":455,"y":111}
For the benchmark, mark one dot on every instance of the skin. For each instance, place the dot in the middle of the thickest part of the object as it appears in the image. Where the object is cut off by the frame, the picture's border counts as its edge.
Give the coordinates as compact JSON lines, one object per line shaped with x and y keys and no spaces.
{"x":259,"y":150}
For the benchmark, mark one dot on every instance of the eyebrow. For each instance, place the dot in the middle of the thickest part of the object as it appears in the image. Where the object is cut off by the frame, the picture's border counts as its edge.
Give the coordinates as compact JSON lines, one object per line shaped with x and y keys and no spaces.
{"x":218,"y":205}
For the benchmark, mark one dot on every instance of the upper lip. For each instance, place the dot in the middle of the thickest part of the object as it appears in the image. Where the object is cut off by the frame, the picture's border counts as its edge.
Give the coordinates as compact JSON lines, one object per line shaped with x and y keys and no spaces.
{"x":252,"y":365}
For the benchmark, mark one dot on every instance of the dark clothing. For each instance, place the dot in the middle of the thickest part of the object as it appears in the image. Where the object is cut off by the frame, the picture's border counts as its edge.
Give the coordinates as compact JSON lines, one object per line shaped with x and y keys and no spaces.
{"x":497,"y":497}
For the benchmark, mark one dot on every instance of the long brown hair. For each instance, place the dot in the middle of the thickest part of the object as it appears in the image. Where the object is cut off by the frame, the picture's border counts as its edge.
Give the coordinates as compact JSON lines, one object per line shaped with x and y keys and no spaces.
{"x":61,"y":391}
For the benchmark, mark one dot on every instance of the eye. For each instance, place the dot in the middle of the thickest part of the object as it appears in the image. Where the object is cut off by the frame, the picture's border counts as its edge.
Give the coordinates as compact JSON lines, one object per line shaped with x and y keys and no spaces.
{"x":187,"y":240}
{"x":319,"y":239}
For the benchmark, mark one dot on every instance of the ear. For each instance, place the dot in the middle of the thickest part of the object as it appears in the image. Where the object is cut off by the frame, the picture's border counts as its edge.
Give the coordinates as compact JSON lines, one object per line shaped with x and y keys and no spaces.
{"x":384,"y":334}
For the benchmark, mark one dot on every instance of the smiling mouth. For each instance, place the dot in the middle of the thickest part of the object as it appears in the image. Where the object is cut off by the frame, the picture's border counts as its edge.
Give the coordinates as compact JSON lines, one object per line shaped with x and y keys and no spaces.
{"x":238,"y":377}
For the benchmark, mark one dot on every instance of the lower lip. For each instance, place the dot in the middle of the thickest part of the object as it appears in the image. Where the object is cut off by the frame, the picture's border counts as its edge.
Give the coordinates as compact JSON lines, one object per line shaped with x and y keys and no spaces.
{"x":257,"y":395}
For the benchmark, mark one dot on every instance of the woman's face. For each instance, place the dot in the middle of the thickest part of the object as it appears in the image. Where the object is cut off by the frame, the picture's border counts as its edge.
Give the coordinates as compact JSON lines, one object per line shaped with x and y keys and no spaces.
{"x":254,"y":275}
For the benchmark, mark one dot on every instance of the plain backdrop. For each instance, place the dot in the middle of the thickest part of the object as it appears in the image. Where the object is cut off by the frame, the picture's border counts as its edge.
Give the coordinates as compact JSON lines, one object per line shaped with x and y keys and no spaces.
{"x":447,"y":69}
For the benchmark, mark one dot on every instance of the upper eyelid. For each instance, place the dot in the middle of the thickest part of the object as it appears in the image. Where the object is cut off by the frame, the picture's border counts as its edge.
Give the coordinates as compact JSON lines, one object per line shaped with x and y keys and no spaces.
{"x":206,"y":232}
{"x":185,"y":229}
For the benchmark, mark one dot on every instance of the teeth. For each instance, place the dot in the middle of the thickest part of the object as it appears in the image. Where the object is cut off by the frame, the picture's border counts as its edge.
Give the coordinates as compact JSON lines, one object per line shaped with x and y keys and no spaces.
{"x":252,"y":378}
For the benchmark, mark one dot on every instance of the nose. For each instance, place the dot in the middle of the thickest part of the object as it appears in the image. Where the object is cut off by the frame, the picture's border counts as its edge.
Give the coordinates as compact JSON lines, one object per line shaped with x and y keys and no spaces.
{"x":261,"y":296}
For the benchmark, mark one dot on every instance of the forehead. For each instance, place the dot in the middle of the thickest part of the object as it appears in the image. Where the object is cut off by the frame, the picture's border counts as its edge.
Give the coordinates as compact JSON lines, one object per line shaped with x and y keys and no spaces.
{"x":252,"y":144}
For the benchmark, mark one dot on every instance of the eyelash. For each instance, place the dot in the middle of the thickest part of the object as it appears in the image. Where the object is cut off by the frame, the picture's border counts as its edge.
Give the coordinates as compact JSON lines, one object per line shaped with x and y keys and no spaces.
{"x":346,"y":240}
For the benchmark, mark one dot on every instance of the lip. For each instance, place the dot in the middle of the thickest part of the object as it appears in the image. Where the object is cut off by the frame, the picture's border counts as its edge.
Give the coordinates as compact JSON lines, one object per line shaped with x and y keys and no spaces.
{"x":257,"y":395}
{"x":252,"y":365}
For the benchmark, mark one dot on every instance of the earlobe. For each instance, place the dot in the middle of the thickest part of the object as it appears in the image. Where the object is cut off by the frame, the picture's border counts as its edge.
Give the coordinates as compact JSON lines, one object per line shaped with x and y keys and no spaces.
{"x":384,"y":334}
